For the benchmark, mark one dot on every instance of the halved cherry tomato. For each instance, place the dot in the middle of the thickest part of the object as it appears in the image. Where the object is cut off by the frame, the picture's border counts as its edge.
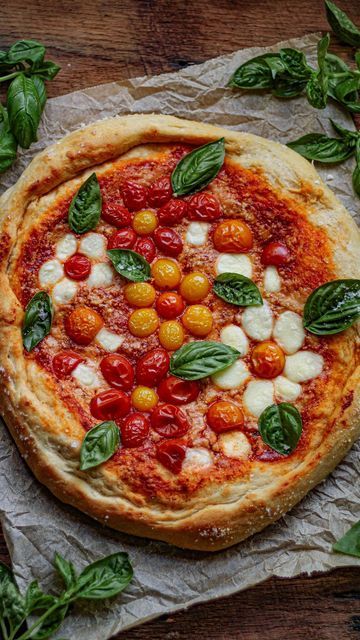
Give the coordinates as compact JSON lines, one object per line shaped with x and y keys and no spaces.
{"x":117,"y":371}
{"x":82,"y":324}
{"x":204,"y":206}
{"x":168,"y":241}
{"x":110,"y":404}
{"x":65,"y":362}
{"x":170,"y":305}
{"x":169,"y":421}
{"x":122,"y":239}
{"x":224,"y":416}
{"x":233,"y":236}
{"x":159,"y":192}
{"x":171,"y":454}
{"x":134,"y":430}
{"x":146,"y":248}
{"x":77,"y":267}
{"x":172,"y":212}
{"x":152,"y":367}
{"x":275,"y":253}
{"x":267,"y":359}
{"x":115,"y":214}
{"x":134,"y":196}
{"x":178,"y":391}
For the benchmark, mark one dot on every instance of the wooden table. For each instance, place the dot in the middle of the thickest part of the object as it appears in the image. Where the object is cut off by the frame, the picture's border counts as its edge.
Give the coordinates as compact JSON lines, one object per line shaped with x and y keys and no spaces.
{"x":100,"y":41}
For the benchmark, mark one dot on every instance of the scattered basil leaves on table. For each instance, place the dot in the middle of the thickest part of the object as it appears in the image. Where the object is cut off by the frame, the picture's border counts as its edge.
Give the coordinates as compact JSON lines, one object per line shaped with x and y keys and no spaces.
{"x":198,"y":168}
{"x":237,"y":289}
{"x":280,"y":426}
{"x":332,"y":307}
{"x":99,"y":444}
{"x":201,"y":358}
{"x":129,"y":264}
{"x":317,"y":86}
{"x":341,"y":24}
{"x":85,"y":207}
{"x":24,"y":109}
{"x":350,"y":542}
{"x":37,"y":320}
{"x":8,"y":143}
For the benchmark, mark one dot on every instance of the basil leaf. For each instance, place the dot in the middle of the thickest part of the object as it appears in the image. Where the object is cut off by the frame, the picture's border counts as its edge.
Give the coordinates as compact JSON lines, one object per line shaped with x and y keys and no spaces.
{"x":280,"y":427}
{"x":200,"y":359}
{"x":24,"y":109}
{"x":105,"y":578}
{"x":356,"y":172}
{"x":8,"y":144}
{"x":6,"y":579}
{"x":295,"y":63}
{"x":85,"y":207}
{"x":346,"y":92}
{"x":237,"y":289}
{"x":317,"y":146}
{"x":341,"y":24}
{"x":66,"y":570}
{"x":129,"y":264}
{"x":317,"y":86}
{"x":198,"y":168}
{"x":41,"y":91}
{"x":332,"y":307}
{"x":47,"y":70}
{"x":37,"y":320}
{"x":12,"y":604}
{"x":350,"y":542}
{"x":99,"y":444}
{"x":36,"y":599}
{"x":285,"y":87}
{"x":50,"y":624}
{"x":256,"y":73}
{"x":345,"y":133}
{"x":26,"y":50}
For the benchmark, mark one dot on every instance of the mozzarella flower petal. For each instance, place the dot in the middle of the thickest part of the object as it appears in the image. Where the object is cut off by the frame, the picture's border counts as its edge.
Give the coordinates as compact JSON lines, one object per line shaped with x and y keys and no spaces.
{"x":303,"y":366}
{"x":64,"y":291}
{"x":286,"y":390}
{"x":101,"y":275}
{"x":233,"y":336}
{"x":232,"y":377}
{"x":289,"y":332}
{"x":272,"y":280}
{"x":234,"y":444}
{"x":93,"y":245}
{"x":197,"y":458}
{"x":66,"y":247}
{"x":258,"y":322}
{"x":258,"y":395}
{"x":50,"y":272}
{"x":108,"y":340}
{"x":234,"y":263}
{"x":197,"y":233}
{"x":86,"y":376}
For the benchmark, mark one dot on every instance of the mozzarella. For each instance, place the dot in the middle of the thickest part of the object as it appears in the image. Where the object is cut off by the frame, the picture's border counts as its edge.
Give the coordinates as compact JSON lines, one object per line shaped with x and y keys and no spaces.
{"x":86,"y":376}
{"x":234,"y":444}
{"x":234,"y":263}
{"x":258,"y":395}
{"x":303,"y":366}
{"x":258,"y":322}
{"x":289,"y":332}
{"x":93,"y":245}
{"x":197,"y":233}
{"x":66,"y":247}
{"x":272,"y":280}
{"x":101,"y":275}
{"x":108,"y":340}
{"x":233,"y":336}
{"x":64,"y":291}
{"x":231,"y":377}
{"x":197,"y":459}
{"x":50,"y":273}
{"x":286,"y":390}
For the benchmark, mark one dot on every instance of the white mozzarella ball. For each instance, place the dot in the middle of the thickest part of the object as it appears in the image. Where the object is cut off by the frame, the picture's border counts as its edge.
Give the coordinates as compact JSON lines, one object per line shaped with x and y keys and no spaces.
{"x":234,"y":263}
{"x":108,"y":340}
{"x":197,"y":458}
{"x":234,"y":444}
{"x":197,"y":233}
{"x":289,"y":331}
{"x":101,"y":275}
{"x":231,"y":377}
{"x":258,"y":395}
{"x":50,"y":272}
{"x":258,"y":322}
{"x":93,"y":245}
{"x":272,"y":280}
{"x":286,"y":390}
{"x":64,"y":291}
{"x":86,"y":376}
{"x":66,"y":247}
{"x":303,"y":366}
{"x":233,"y":336}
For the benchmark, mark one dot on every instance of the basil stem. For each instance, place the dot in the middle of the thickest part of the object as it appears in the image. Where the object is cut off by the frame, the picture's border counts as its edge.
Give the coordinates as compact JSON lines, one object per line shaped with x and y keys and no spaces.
{"x":129,"y":264}
{"x":237,"y":289}
{"x":200,"y":359}
{"x":99,"y":444}
{"x":280,"y":427}
{"x":332,"y":307}
{"x":198,"y":168}
{"x":37,"y":320}
{"x":85,"y":208}
{"x":341,"y":24}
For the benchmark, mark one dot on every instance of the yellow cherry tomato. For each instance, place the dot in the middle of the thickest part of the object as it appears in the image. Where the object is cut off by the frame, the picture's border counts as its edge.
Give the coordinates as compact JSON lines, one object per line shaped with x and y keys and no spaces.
{"x":144,"y":398}
{"x":140,"y":294}
{"x":144,"y":222}
{"x":171,"y":335}
{"x":198,"y":320}
{"x":194,"y":287}
{"x":166,"y":273}
{"x":143,"y":322}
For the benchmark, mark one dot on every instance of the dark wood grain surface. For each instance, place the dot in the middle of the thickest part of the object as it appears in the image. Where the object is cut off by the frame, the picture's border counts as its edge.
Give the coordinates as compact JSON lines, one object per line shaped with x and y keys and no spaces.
{"x":98,"y":41}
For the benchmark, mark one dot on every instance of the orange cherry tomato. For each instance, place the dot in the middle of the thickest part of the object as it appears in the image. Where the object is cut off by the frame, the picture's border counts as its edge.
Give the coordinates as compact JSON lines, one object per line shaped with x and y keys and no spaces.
{"x":224,"y":416}
{"x":110,"y":404}
{"x":65,"y":362}
{"x":135,"y":430}
{"x":171,"y":454}
{"x":77,"y":267}
{"x":170,"y":305}
{"x":233,"y":236}
{"x":275,"y":253}
{"x":267,"y":359}
{"x":152,"y":367}
{"x":82,"y":325}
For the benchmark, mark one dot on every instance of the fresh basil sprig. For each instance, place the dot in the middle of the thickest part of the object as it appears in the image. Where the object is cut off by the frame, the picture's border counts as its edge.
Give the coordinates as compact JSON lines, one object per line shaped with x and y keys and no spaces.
{"x":201,"y":358}
{"x":99,"y":444}
{"x":129,"y":264}
{"x":332,"y":307}
{"x":8,"y":144}
{"x":280,"y":427}
{"x":237,"y":289}
{"x":341,"y":24}
{"x":317,"y":87}
{"x":37,"y":320}
{"x":350,"y":542}
{"x":198,"y":168}
{"x":85,"y":208}
{"x":24,"y":108}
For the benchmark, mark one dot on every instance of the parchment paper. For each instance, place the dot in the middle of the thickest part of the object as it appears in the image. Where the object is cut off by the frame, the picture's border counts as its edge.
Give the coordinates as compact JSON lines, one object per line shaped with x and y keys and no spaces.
{"x":167,"y":579}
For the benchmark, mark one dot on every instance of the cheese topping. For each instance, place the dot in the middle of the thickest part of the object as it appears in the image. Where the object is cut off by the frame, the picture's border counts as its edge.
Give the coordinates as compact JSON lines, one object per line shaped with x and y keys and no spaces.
{"x":86,"y":376}
{"x":64,"y":291}
{"x":234,"y":263}
{"x":101,"y":275}
{"x":285,"y":390}
{"x":232,"y":377}
{"x":234,"y":444}
{"x":258,"y":395}
{"x":66,"y":247}
{"x":258,"y":322}
{"x":197,"y":233}
{"x":93,"y":245}
{"x":233,"y":336}
{"x":50,"y":273}
{"x":108,"y":340}
{"x":289,"y":332}
{"x":197,"y":459}
{"x":303,"y":366}
{"x":272,"y":280}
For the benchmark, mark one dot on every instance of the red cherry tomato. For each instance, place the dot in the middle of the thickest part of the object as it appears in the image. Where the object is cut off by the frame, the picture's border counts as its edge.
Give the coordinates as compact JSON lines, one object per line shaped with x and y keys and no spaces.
{"x":110,"y":404}
{"x":168,"y":241}
{"x":170,"y":305}
{"x":146,"y":248}
{"x":122,"y":239}
{"x":77,"y":267}
{"x":134,"y":430}
{"x":171,"y":454}
{"x":115,"y":214}
{"x":117,"y":371}
{"x":275,"y":253}
{"x":134,"y":196}
{"x":152,"y":367}
{"x":65,"y":362}
{"x":178,"y":391}
{"x":204,"y":206}
{"x":169,"y":421}
{"x":172,"y":212}
{"x":159,"y":192}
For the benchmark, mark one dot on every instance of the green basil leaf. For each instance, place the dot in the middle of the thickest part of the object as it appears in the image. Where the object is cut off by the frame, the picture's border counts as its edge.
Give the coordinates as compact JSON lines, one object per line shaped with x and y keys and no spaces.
{"x":357,"y":59}
{"x":99,"y":444}
{"x":317,"y":146}
{"x":6,"y":579}
{"x":350,"y":542}
{"x":346,"y":92}
{"x":356,"y":172}
{"x":8,"y":144}
{"x":198,"y":168}
{"x":332,"y":307}
{"x":200,"y":359}
{"x":334,"y":64}
{"x":47,"y":70}
{"x":256,"y":73}
{"x":66,"y":570}
{"x":237,"y":289}
{"x":295,"y":63}
{"x":85,"y":207}
{"x":341,"y":24}
{"x":345,"y":133}
{"x":41,"y":91}
{"x":26,"y":50}
{"x":24,"y":109}
{"x":129,"y":264}
{"x":12,"y":604}
{"x":317,"y":86}
{"x":36,"y":599}
{"x":105,"y":578}
{"x":37,"y":320}
{"x":280,"y":427}
{"x":285,"y":87}
{"x":50,"y":624}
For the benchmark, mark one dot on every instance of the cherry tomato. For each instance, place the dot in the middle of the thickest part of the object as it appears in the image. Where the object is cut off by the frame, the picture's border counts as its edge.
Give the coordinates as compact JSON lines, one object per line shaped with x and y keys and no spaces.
{"x":152,"y":367}
{"x":171,"y":454}
{"x":82,"y":324}
{"x":65,"y":362}
{"x":168,"y":241}
{"x":115,"y":214}
{"x":178,"y":391}
{"x":169,"y":421}
{"x":172,"y":212}
{"x":275,"y":253}
{"x":233,"y":236}
{"x":134,"y":196}
{"x":110,"y":404}
{"x":117,"y":371}
{"x":267,"y":359}
{"x":146,"y":248}
{"x":204,"y":206}
{"x":135,"y":430}
{"x":122,"y":239}
{"x":170,"y":305}
{"x":159,"y":192}
{"x":223,"y":416}
{"x":77,"y":267}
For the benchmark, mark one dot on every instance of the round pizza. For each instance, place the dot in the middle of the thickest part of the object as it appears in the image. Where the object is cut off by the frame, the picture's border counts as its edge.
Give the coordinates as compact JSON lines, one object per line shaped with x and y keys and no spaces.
{"x":178,"y":327}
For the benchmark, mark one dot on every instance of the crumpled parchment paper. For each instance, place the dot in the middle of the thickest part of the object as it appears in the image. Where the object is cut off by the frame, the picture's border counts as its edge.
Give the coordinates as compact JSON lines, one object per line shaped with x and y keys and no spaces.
{"x":167,"y":579}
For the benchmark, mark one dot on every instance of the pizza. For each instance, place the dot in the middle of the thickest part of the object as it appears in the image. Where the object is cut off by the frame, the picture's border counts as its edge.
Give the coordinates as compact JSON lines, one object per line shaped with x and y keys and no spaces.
{"x":178,"y":327}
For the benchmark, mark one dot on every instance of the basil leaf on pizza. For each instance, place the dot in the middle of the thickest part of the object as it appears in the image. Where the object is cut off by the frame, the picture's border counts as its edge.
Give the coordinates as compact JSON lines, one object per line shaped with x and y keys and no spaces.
{"x":198,"y":168}
{"x":341,"y":24}
{"x":280,"y":427}
{"x":129,"y":264}
{"x":85,"y":208}
{"x":104,"y":578}
{"x":332,"y":307}
{"x":99,"y":444}
{"x":350,"y":542}
{"x":200,"y":359}
{"x":237,"y":289}
{"x":37,"y":320}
